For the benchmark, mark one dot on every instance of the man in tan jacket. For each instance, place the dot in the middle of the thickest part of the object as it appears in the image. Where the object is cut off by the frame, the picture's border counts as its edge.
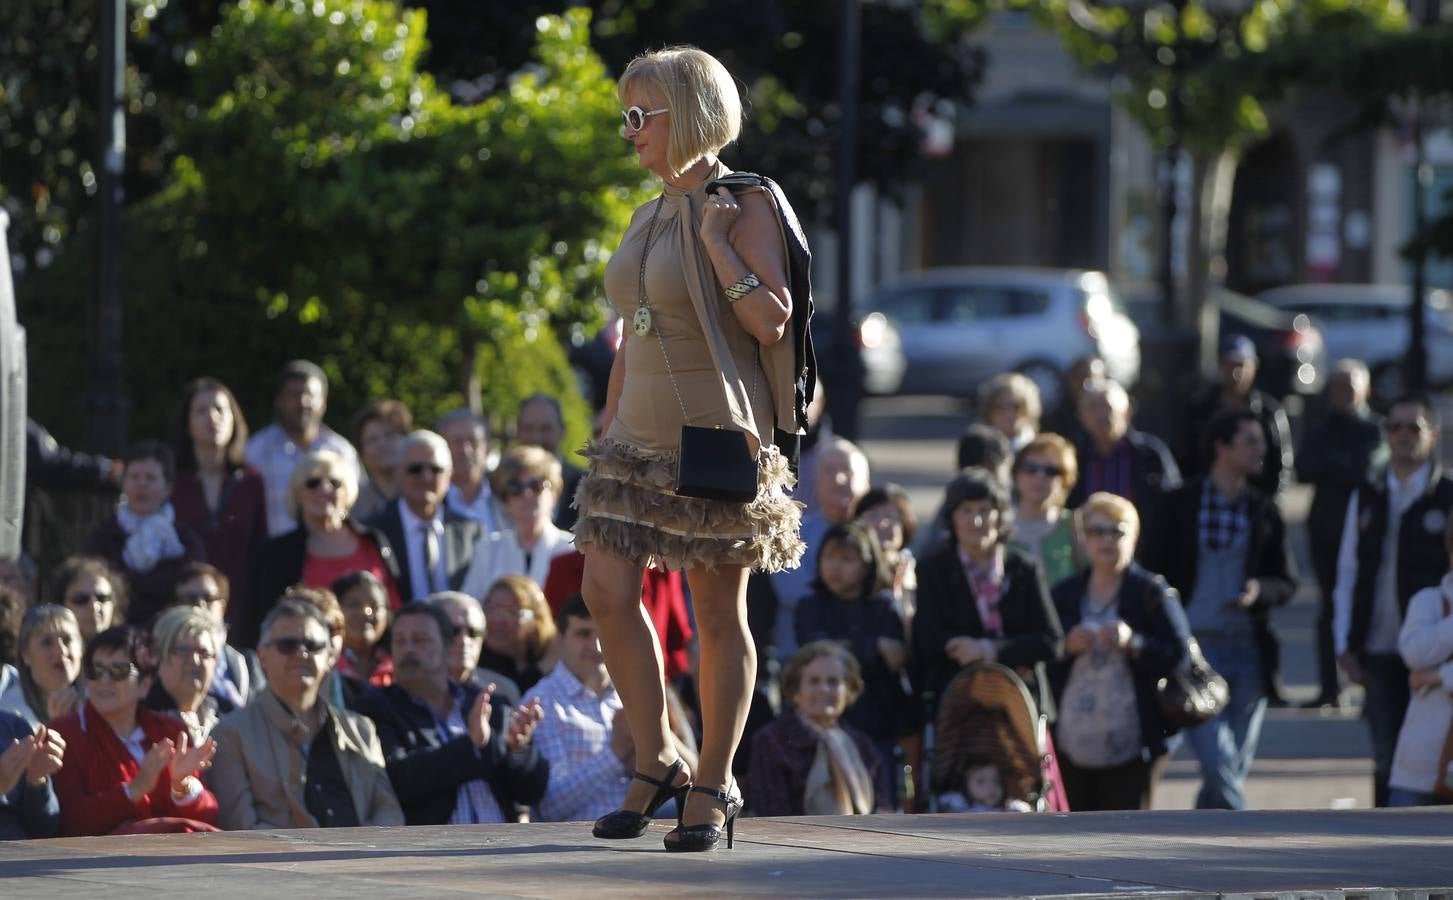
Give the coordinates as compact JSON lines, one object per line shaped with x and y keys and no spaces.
{"x":289,"y":759}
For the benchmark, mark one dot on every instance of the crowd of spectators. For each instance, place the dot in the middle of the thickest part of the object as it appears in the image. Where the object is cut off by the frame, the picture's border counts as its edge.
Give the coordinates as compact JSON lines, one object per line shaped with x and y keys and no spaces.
{"x":280,"y":631}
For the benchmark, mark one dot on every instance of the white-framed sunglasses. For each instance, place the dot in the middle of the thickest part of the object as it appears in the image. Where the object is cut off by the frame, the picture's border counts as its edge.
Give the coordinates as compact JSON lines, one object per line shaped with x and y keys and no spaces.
{"x":635,"y":117}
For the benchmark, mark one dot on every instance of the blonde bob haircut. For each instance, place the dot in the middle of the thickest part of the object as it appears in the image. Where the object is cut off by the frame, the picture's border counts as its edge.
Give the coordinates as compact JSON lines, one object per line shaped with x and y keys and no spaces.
{"x":706,"y":110}
{"x":324,"y":464}
{"x":1113,"y":507}
{"x":184,"y":621}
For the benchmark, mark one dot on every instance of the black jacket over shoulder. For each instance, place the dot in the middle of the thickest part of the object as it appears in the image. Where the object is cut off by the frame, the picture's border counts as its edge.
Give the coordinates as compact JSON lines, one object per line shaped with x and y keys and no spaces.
{"x":1153,"y":611}
{"x":460,"y":536}
{"x":1173,"y":550}
{"x":426,"y":770}
{"x":947,"y":609}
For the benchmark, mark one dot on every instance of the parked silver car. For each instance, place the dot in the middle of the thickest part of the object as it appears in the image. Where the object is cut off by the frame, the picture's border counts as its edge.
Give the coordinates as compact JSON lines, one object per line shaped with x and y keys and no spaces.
{"x":960,"y":327}
{"x":1370,"y":322}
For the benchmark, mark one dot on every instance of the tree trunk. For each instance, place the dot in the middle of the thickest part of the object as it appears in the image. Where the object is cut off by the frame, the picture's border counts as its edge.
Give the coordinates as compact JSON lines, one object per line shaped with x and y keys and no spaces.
{"x":469,"y":382}
{"x":1213,"y":176}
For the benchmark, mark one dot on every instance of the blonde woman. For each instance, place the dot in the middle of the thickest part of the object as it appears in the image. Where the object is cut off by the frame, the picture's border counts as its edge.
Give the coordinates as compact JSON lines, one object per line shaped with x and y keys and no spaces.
{"x":527,"y":480}
{"x":701,"y":280}
{"x":327,"y":543}
{"x":1124,"y":631}
{"x":1009,"y":403}
{"x":519,"y":631}
{"x":187,"y":640}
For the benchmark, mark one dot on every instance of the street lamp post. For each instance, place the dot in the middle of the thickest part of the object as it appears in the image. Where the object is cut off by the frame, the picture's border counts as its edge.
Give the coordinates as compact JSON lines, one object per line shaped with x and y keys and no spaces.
{"x":844,"y":392}
{"x":107,"y":400}
{"x":1415,"y":363}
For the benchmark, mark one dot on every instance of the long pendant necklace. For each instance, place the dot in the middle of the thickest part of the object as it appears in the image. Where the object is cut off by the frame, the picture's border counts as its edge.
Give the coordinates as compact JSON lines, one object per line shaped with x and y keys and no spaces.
{"x":642,"y":320}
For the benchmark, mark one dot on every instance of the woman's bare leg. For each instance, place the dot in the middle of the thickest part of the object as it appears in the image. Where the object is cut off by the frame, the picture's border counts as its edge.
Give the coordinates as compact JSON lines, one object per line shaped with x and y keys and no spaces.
{"x":612,"y":591}
{"x":728,"y":674}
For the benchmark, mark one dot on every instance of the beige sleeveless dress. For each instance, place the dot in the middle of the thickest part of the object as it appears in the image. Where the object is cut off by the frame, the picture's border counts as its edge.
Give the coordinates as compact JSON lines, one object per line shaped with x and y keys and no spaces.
{"x":626,"y":502}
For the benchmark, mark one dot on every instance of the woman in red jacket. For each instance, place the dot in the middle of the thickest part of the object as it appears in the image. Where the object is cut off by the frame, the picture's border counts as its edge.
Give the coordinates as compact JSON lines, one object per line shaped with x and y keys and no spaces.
{"x":127,"y":769}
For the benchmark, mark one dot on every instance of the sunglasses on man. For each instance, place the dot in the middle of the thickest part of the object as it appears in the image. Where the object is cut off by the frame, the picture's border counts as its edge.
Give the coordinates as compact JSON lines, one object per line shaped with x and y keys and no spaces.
{"x":291,"y":646}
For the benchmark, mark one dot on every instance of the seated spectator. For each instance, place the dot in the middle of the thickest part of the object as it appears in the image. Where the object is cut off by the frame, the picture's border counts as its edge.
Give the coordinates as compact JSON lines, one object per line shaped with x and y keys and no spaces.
{"x":47,"y":685}
{"x":238,"y":677}
{"x":12,"y":610}
{"x":143,"y":541}
{"x":809,"y":761}
{"x":432,"y":546}
{"x":662,"y":595}
{"x":583,"y":737}
{"x":187,"y":640}
{"x":851,"y":604}
{"x":217,"y":494}
{"x":456,"y":755}
{"x":1009,"y":403}
{"x":378,"y":433}
{"x":365,"y":622}
{"x":327,"y":544}
{"x":469,"y":494}
{"x":343,"y":691}
{"x":979,"y":599}
{"x":1115,"y":457}
{"x":29,"y":809}
{"x":889,"y":513}
{"x":277,"y":450}
{"x":842,"y":478}
{"x":468,"y":624}
{"x":529,"y":480}
{"x":1420,"y":766}
{"x":541,"y":422}
{"x":519,"y":636}
{"x":291,"y":758}
{"x":1125,"y":632}
{"x":93,"y":591}
{"x":1044,"y":474}
{"x":128,"y":770}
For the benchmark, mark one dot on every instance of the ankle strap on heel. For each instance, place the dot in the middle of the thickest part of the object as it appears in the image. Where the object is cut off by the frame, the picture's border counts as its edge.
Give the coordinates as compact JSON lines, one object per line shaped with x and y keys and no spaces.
{"x":664,"y":782}
{"x":720,"y":796}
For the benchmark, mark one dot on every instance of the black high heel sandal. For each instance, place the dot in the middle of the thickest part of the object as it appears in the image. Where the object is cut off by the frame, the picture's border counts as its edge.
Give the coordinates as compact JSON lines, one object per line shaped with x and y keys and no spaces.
{"x":698,"y":838}
{"x":625,"y":823}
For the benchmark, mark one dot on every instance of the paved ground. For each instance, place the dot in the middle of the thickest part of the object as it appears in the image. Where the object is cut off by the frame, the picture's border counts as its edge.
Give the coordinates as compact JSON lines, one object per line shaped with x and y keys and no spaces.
{"x":1308,"y":759}
{"x":1382,"y":853}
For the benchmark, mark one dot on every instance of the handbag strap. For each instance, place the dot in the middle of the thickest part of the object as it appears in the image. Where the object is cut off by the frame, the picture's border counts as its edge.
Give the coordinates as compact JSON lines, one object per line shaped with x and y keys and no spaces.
{"x":645,"y":304}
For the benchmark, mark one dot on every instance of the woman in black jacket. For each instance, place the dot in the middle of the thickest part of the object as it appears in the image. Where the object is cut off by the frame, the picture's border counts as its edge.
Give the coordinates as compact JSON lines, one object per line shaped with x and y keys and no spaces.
{"x":1124,"y":631}
{"x":979,"y":600}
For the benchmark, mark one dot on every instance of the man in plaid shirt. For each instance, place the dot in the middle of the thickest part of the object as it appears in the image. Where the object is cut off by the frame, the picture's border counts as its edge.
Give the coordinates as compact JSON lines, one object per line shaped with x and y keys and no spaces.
{"x":587,"y":744}
{"x":1222,"y":545}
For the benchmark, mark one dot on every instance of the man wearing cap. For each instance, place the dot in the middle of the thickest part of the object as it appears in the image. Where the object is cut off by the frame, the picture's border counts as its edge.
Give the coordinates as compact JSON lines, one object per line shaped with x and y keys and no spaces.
{"x":1234,"y":390}
{"x":1392,"y":547}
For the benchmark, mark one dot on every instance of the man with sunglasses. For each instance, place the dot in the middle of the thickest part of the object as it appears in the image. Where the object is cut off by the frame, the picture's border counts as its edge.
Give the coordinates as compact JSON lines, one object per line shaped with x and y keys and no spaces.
{"x":466,"y":617}
{"x":1392,"y":547}
{"x":291,"y":759}
{"x":456,"y":754}
{"x":433,"y":544}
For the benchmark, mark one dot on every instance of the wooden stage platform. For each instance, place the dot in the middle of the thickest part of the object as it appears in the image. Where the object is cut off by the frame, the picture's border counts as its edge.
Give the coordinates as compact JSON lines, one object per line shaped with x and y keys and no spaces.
{"x":1383,"y":853}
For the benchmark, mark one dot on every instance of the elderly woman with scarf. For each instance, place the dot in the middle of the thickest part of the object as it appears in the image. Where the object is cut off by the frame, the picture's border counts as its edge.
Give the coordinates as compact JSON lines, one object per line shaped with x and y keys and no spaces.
{"x":808,"y":761}
{"x":143,"y":540}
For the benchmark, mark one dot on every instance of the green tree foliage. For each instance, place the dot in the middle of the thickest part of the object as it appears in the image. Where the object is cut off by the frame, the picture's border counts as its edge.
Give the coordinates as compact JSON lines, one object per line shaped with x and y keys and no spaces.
{"x":328,"y":201}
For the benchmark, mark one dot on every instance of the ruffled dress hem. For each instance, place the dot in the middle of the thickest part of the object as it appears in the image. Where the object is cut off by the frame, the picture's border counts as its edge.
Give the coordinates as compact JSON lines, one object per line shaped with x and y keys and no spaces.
{"x":628,"y":507}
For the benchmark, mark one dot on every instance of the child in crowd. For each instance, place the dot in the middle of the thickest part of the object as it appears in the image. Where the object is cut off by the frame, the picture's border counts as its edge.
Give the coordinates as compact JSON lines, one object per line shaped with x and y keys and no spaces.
{"x":983,"y":791}
{"x":852,"y":604}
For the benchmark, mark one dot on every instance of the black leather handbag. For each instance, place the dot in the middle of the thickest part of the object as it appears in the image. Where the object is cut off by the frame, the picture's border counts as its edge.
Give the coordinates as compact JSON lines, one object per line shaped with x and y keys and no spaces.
{"x":1194,"y":696}
{"x":716,"y":464}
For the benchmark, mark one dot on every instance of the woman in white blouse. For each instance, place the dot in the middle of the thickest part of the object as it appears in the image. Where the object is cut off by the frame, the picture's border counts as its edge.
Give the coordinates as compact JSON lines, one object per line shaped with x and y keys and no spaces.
{"x":529,"y":480}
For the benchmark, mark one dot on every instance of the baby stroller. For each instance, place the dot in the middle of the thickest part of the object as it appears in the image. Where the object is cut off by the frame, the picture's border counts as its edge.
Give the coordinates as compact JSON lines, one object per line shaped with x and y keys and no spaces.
{"x":987,"y":712}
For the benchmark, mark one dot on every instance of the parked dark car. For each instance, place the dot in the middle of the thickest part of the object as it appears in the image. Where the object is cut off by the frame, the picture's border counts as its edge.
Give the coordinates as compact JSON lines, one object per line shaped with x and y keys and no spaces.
{"x":1291,"y":349}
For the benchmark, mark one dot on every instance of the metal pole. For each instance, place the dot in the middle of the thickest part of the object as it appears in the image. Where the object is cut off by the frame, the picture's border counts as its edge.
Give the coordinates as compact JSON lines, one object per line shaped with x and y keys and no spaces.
{"x":844,"y":391}
{"x":1169,"y":167}
{"x":1415,"y":365}
{"x":108,"y":404}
